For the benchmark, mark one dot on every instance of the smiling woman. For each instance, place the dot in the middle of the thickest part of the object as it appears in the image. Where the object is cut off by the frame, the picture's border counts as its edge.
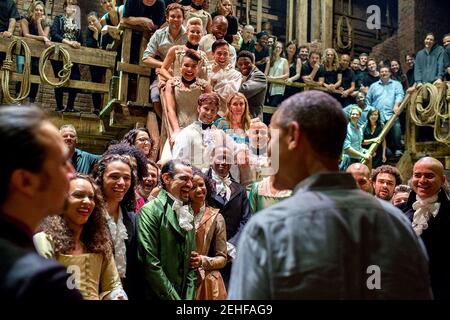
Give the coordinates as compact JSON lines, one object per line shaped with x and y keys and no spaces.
{"x":79,"y":238}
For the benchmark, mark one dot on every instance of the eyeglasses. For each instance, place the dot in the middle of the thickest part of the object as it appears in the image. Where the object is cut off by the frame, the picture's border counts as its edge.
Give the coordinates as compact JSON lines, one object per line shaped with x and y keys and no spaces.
{"x":143,"y":140}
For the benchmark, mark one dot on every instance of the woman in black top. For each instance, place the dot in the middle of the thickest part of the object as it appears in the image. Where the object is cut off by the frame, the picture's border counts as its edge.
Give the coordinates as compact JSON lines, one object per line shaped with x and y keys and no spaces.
{"x":295,"y":68}
{"x":371,"y":131}
{"x":37,"y":27}
{"x":66,"y":30}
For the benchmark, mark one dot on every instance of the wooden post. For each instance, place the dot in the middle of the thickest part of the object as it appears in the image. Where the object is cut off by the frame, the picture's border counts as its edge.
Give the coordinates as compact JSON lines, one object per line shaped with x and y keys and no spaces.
{"x":143,"y":82}
{"x":290,"y":20}
{"x":259,"y":16}
{"x":126,"y":49}
{"x":327,"y":23}
{"x":315,"y":20}
{"x":302,"y":21}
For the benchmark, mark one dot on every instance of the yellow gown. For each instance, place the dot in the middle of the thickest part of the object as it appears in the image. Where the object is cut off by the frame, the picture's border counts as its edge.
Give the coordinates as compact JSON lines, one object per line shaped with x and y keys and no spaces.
{"x":95,"y":277}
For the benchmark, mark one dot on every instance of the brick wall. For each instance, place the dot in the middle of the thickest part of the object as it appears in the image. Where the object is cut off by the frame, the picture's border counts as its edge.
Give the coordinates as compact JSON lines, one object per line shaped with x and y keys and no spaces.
{"x":46,"y":96}
{"x":386,"y":50}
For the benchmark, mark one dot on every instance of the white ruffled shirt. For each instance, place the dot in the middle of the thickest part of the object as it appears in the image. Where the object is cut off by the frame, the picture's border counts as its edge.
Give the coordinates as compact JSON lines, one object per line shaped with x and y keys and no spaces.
{"x":184,"y":215}
{"x":222,"y":185}
{"x":423,"y":210}
{"x":119,"y":235}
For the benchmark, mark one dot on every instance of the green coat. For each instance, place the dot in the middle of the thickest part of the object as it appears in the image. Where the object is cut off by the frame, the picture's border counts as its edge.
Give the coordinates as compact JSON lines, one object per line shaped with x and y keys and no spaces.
{"x":164,"y":250}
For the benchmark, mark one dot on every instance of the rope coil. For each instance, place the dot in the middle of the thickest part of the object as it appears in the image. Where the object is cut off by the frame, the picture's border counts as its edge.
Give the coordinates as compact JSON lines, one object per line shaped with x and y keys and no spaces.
{"x":435,"y":113}
{"x":339,"y":29}
{"x":64,"y":73}
{"x":8,"y":68}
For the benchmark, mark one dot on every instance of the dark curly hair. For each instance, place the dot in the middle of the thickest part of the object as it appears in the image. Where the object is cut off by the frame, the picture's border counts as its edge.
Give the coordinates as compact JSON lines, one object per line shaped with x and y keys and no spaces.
{"x":130,"y":137}
{"x":209,"y":184}
{"x":387,"y":169}
{"x":123,"y":149}
{"x":95,"y":235}
{"x":129,"y":200}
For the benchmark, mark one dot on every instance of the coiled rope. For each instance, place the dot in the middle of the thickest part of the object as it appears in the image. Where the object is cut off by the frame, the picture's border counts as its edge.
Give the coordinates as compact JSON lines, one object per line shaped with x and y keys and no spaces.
{"x":435,"y":113}
{"x":64,"y":73}
{"x":8,"y":68}
{"x":339,"y":40}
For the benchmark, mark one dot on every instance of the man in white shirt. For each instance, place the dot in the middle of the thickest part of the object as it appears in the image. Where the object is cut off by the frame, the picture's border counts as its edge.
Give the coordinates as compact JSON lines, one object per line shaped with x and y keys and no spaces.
{"x":219,"y":30}
{"x":225,"y":79}
{"x":195,"y":142}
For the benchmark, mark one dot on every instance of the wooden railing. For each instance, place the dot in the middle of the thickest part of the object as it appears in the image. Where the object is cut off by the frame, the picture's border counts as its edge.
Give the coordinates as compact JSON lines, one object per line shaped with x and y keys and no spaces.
{"x":82,"y":56}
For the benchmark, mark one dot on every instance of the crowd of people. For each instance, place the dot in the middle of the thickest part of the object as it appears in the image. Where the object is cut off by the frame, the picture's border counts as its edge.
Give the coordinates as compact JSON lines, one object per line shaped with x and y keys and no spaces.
{"x":237,"y":205}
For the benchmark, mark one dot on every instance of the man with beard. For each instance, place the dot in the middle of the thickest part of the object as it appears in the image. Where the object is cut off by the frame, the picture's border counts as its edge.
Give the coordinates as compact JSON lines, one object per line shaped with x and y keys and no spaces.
{"x":34,"y":183}
{"x":82,"y":161}
{"x":166,"y":237}
{"x":384,"y":179}
{"x":254,"y":83}
{"x":428,"y":208}
{"x":321,"y":242}
{"x":149,"y":182}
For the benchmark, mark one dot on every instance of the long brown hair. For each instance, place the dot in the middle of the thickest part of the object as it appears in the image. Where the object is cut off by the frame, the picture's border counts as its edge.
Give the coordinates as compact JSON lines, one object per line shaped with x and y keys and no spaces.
{"x":245,"y":120}
{"x":95,"y":235}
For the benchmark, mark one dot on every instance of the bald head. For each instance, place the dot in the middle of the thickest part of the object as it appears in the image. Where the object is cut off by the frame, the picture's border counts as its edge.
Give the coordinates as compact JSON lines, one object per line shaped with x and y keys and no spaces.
{"x":361,"y":174}
{"x":428,"y":177}
{"x":219,"y":27}
{"x":432,"y":163}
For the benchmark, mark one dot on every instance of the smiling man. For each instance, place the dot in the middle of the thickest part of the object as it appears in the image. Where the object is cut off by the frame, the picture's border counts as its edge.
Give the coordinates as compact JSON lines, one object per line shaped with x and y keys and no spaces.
{"x":166,"y":237}
{"x":428,"y":208}
{"x":225,"y":79}
{"x":196,"y":142}
{"x":82,"y":161}
{"x":254,"y":83}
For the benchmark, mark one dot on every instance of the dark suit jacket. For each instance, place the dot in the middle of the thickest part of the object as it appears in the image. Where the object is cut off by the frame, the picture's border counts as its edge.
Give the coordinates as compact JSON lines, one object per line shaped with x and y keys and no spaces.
{"x":26,"y":276}
{"x":436,"y":239}
{"x":254,"y":89}
{"x":57,"y":31}
{"x":132,"y":284}
{"x":236,"y":211}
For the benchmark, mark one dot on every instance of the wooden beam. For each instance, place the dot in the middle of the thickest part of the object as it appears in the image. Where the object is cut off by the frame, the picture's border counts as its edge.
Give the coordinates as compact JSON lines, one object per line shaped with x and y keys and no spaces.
{"x":302,"y":21}
{"x":290,"y":20}
{"x":125,"y":58}
{"x":83,"y":55}
{"x":259,"y":16}
{"x":76,"y":84}
{"x":133,"y":68}
{"x":327,"y":23}
{"x":315,"y":20}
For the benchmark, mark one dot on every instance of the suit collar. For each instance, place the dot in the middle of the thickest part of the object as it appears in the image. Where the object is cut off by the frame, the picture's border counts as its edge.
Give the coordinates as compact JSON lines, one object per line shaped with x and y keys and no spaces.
{"x":169,"y":213}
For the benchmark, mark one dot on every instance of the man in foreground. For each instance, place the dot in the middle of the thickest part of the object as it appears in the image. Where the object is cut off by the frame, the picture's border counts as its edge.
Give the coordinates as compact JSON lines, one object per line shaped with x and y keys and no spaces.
{"x":324,"y":242}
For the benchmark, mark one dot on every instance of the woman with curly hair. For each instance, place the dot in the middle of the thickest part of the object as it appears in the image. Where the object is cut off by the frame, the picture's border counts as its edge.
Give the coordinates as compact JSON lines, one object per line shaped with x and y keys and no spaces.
{"x":141,"y":139}
{"x":114,"y":175}
{"x":79,"y":237}
{"x":211,"y":240}
{"x":137,"y":158}
{"x":330,"y":61}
